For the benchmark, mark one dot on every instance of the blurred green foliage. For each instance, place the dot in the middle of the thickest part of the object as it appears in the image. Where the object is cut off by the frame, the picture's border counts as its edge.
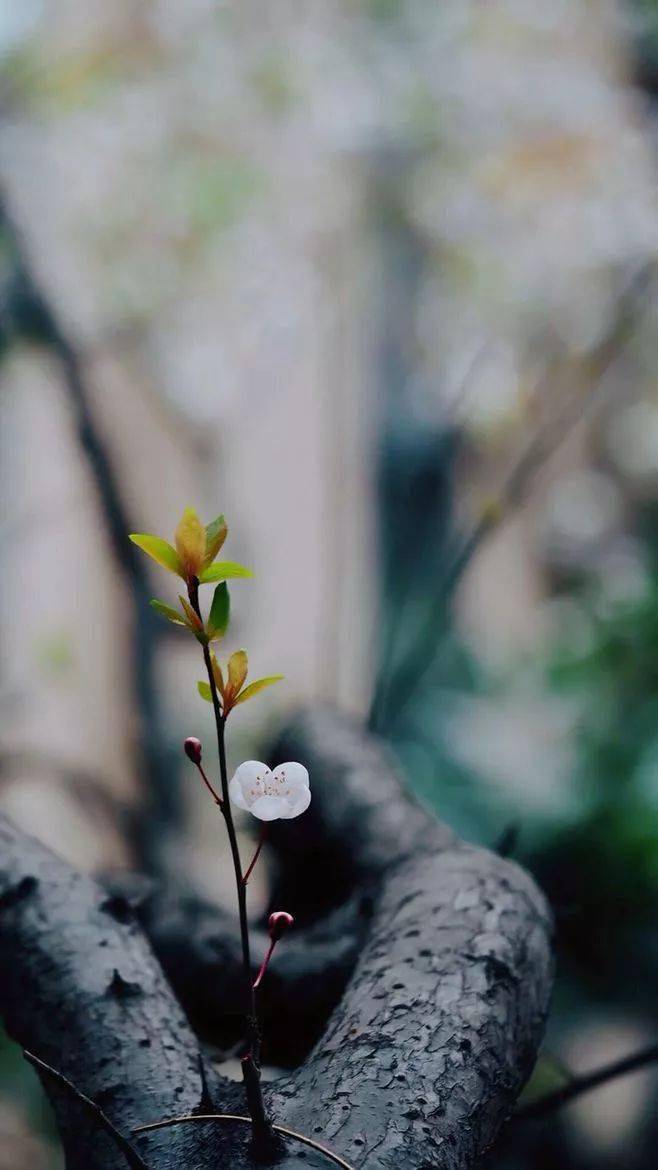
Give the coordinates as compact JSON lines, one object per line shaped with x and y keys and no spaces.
{"x":274,"y":83}
{"x":21,"y":1088}
{"x":602,"y":872}
{"x":210,"y":191}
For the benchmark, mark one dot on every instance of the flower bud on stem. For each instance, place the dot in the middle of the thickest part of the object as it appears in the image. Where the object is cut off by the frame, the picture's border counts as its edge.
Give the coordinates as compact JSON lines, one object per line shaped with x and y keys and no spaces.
{"x":192,"y":749}
{"x":279,"y":922}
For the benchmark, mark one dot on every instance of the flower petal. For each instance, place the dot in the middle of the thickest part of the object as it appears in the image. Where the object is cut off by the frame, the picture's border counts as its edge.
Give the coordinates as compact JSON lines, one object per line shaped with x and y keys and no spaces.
{"x":247,"y":783}
{"x":297,"y":804}
{"x":270,"y":808}
{"x":235,"y":793}
{"x":292,"y":775}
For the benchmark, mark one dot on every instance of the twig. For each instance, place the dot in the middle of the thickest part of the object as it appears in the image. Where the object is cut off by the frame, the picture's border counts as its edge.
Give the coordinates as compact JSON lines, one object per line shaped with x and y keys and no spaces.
{"x":584,"y":1084}
{"x":281,"y":1129}
{"x":261,"y":842}
{"x":264,"y":965}
{"x":134,"y":1160}
{"x":211,"y":789}
{"x":206,"y":1102}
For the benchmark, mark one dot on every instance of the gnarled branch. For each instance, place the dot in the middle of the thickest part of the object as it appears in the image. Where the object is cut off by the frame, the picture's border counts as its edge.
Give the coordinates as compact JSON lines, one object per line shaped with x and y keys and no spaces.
{"x":426,"y":1050}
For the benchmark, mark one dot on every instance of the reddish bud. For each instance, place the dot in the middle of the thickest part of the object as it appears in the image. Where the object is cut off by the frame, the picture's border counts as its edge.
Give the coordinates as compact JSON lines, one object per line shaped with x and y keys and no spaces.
{"x":192,"y":747}
{"x":279,"y":922}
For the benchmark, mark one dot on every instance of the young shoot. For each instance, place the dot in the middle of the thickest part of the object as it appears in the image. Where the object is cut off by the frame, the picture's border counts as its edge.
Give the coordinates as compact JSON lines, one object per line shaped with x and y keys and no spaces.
{"x":268,"y":795}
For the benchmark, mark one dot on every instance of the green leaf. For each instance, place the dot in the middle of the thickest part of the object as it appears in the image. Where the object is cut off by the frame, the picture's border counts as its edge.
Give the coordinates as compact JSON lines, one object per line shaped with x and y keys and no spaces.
{"x":255,"y":687}
{"x":160,"y":550}
{"x":221,"y":571}
{"x":168,"y":612}
{"x":219,"y":612}
{"x":204,"y":690}
{"x":215,"y":536}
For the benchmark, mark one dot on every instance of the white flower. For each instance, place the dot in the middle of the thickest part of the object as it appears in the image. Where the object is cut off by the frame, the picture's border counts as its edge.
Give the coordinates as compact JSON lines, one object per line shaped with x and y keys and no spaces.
{"x":283,"y":793}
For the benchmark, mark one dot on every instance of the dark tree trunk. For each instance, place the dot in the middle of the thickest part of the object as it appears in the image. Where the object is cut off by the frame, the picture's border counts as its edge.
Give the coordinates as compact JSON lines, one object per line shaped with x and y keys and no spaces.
{"x":439,"y":967}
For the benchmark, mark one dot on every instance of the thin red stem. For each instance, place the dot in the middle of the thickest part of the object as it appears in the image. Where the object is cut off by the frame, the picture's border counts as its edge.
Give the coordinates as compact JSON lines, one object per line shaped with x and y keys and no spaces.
{"x":261,"y":842}
{"x":252,"y":1077}
{"x":264,"y":965}
{"x":215,"y":795}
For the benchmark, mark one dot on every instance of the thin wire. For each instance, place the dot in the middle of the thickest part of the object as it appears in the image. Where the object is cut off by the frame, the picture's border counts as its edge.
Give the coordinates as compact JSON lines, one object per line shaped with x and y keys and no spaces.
{"x":282,"y":1129}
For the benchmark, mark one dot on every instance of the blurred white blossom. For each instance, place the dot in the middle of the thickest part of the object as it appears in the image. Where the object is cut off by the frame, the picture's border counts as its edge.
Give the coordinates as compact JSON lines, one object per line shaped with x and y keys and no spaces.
{"x":280,"y":794}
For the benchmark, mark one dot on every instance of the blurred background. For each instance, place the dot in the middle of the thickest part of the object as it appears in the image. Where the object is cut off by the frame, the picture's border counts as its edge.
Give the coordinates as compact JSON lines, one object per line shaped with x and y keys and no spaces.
{"x":378,"y":279}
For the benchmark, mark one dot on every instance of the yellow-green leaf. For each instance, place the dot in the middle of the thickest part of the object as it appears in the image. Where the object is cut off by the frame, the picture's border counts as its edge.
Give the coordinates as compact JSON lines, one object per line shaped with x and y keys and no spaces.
{"x":193,"y":619}
{"x":191,"y":542}
{"x":204,"y":690}
{"x":194,"y":622}
{"x":237,"y":670}
{"x":216,"y":534}
{"x":255,"y":687}
{"x":160,"y":550}
{"x":217,"y":623}
{"x":167,"y":611}
{"x":217,"y":672}
{"x":222,"y":571}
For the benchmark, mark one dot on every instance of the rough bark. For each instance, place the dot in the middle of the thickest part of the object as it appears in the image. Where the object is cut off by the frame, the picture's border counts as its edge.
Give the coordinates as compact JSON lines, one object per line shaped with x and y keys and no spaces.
{"x":199,"y":948}
{"x":81,"y":989}
{"x":427,"y":1050}
{"x":327,"y":871}
{"x":439,"y":1027}
{"x":423,"y":1056}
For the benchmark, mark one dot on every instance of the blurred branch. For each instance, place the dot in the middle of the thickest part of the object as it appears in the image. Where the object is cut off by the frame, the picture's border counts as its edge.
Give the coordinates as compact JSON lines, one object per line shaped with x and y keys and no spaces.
{"x":592,"y":369}
{"x":88,"y":787}
{"x":584,"y":1084}
{"x":27,"y":314}
{"x":508,"y":840}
